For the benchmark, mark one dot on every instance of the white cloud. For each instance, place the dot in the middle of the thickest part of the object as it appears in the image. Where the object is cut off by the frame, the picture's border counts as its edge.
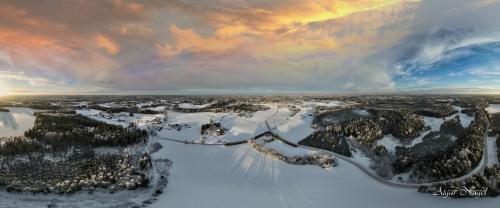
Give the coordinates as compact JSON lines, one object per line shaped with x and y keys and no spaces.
{"x":33,"y":81}
{"x":484,"y":71}
{"x":5,"y":59}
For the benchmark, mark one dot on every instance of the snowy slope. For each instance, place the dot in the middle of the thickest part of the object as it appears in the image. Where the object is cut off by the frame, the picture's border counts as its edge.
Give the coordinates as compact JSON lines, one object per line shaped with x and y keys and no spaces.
{"x":237,"y":128}
{"x":208,"y":176}
{"x":240,"y":128}
{"x":297,"y":127}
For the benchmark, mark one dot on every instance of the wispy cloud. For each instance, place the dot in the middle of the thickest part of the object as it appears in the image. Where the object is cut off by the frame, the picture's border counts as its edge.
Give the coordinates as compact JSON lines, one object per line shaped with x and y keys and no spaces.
{"x":219,"y":45}
{"x":484,"y":71}
{"x":106,"y":43}
{"x":33,"y":81}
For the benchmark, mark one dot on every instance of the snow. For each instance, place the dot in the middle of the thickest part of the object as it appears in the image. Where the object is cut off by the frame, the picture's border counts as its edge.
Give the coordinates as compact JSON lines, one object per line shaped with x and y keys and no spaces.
{"x":465,"y":120}
{"x":492,"y":151}
{"x":122,"y":119}
{"x":333,"y":103}
{"x":240,"y":128}
{"x":107,"y":105}
{"x":191,"y":124}
{"x":493,"y":108}
{"x":192,"y":106}
{"x":361,"y":112}
{"x":99,"y":115}
{"x":213,"y":176}
{"x":363,"y":160}
{"x":140,"y":105}
{"x":389,"y":142}
{"x":297,"y":127}
{"x":157,"y":108}
{"x":402,"y":177}
{"x":434,"y":123}
{"x":288,"y":150}
{"x":238,"y":176}
{"x":419,"y":139}
{"x":16,"y":122}
{"x":79,"y":200}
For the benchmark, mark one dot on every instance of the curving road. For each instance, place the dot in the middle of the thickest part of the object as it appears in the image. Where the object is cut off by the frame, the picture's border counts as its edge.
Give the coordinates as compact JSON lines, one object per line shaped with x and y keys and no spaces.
{"x":479,"y":168}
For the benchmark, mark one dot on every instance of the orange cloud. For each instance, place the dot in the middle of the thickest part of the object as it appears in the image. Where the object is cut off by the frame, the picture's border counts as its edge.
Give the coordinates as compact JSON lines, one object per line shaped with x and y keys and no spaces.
{"x":134,"y":29}
{"x":71,"y":55}
{"x":106,"y":43}
{"x":188,"y":41}
{"x":23,"y":47}
{"x":284,"y":29}
{"x":135,"y":8}
{"x":270,"y":35}
{"x":129,"y":7}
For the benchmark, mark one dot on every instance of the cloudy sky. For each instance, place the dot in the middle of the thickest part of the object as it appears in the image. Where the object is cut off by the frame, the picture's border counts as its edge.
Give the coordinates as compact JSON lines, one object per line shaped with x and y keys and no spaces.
{"x":248,"y":46}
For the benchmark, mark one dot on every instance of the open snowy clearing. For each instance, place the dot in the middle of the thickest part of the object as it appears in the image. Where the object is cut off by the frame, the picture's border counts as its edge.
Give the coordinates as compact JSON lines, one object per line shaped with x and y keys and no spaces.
{"x":16,"y":121}
{"x":324,"y":103}
{"x":240,"y":128}
{"x":492,"y":151}
{"x":193,"y":106}
{"x":121,"y":119}
{"x":239,"y":176}
{"x":213,"y":176}
{"x":191,"y":125}
{"x":297,"y":127}
{"x":493,"y":108}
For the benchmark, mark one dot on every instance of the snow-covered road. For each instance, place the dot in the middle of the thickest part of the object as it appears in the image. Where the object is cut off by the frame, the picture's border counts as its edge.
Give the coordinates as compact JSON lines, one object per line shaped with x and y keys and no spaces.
{"x":479,"y":168}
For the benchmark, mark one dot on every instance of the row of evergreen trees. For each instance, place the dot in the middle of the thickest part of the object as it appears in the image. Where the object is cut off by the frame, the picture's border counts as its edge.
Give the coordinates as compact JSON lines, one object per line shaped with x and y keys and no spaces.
{"x":60,"y":131}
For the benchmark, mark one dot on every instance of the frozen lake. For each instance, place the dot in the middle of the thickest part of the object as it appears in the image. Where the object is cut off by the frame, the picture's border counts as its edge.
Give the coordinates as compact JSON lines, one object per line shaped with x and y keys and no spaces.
{"x":493,"y":108}
{"x":16,"y":122}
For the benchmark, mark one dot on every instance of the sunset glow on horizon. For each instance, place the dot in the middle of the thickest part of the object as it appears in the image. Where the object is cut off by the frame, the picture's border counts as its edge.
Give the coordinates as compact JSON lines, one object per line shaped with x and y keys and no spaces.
{"x":248,"y":46}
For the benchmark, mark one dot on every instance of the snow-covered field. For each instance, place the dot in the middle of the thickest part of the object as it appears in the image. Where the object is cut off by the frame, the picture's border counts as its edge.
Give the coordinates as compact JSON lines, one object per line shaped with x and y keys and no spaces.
{"x":323,"y":103}
{"x":16,"y":122}
{"x":492,"y":151}
{"x":121,"y":119}
{"x":192,"y":106}
{"x":241,"y":128}
{"x":191,"y":124}
{"x":493,"y":108}
{"x":239,"y":176}
{"x":296,"y":127}
{"x":213,"y":176}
